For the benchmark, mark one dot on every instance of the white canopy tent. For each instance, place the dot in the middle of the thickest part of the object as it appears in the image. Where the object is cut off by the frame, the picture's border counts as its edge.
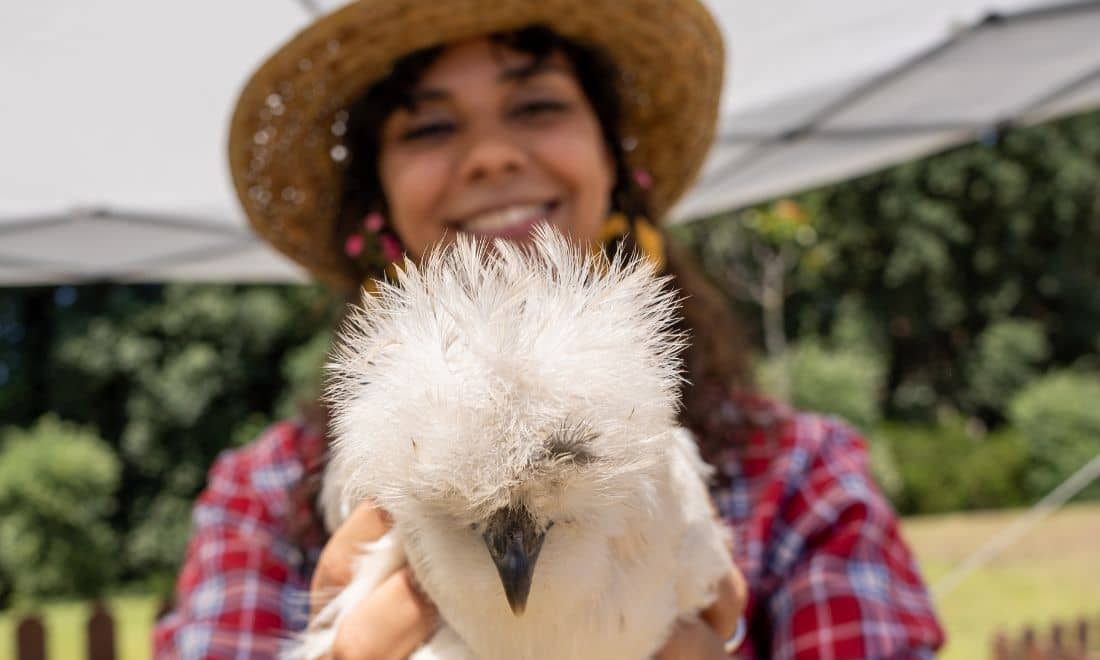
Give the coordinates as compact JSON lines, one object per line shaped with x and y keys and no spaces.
{"x":113,"y":115}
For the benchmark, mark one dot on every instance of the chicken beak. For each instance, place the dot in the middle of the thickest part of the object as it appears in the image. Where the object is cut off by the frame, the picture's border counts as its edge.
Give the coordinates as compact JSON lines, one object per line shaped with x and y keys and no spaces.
{"x":514,"y":542}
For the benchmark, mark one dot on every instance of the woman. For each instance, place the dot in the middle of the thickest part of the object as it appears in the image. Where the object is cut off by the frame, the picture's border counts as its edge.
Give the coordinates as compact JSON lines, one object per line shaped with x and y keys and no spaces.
{"x":393,"y":124}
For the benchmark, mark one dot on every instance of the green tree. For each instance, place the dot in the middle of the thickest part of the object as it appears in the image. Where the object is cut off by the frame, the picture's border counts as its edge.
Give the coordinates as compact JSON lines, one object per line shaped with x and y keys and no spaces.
{"x":845,"y":383}
{"x":754,"y":254}
{"x":1059,"y":418}
{"x":950,"y":467}
{"x":170,"y":376}
{"x":57,"y":491}
{"x":1006,"y":357}
{"x":940,"y":250}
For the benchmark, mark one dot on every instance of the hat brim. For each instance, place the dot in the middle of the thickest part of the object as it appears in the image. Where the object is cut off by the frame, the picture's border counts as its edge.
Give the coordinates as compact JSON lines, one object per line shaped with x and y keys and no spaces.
{"x":285,"y":156}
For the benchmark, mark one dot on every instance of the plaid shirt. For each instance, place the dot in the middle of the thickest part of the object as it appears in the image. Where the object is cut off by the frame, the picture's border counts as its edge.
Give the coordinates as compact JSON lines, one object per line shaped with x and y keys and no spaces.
{"x":829,"y":575}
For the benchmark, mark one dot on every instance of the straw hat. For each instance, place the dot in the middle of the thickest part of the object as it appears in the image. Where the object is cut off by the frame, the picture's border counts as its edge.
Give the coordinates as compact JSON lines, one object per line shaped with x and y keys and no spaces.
{"x":285,"y":147}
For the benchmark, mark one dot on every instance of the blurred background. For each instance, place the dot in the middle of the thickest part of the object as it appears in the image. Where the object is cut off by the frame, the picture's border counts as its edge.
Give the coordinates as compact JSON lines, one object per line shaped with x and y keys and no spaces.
{"x":903,"y":207}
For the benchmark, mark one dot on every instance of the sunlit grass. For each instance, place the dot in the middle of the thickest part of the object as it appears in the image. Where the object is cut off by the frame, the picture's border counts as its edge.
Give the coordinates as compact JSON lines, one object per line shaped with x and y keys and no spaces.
{"x":1052,"y":574}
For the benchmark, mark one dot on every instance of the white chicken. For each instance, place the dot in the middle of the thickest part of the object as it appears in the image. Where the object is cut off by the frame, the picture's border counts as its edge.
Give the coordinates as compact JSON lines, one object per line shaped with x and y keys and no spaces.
{"x":514,"y":410}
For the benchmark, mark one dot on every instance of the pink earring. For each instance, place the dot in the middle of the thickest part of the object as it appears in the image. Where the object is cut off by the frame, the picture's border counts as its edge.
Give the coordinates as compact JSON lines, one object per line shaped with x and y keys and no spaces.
{"x":373,"y":222}
{"x":643,"y":179}
{"x":391,"y":248}
{"x":353,"y":246}
{"x":374,"y":225}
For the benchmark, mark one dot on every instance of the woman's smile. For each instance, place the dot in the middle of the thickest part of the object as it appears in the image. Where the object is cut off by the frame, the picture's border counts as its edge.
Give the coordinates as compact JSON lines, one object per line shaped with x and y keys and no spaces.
{"x":511,"y":220}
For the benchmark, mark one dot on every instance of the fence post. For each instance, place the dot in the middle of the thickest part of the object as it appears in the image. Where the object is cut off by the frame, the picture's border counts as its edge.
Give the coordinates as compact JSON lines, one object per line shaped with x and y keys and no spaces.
{"x":1001,"y":648}
{"x":1031,"y":645}
{"x":1067,"y":640}
{"x":30,"y":639}
{"x":101,"y":634}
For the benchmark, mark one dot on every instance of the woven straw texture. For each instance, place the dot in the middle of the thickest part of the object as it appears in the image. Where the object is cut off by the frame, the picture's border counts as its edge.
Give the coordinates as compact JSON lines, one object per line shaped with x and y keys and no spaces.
{"x":285,"y":145}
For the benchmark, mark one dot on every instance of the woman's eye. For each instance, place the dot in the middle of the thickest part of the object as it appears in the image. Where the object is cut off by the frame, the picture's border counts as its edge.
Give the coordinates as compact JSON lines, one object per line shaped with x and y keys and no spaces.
{"x":429,"y":130}
{"x":539,"y":108}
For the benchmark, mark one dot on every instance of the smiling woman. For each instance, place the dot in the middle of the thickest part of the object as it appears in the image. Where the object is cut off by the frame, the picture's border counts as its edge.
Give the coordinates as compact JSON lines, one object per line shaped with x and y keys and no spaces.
{"x":392,"y":125}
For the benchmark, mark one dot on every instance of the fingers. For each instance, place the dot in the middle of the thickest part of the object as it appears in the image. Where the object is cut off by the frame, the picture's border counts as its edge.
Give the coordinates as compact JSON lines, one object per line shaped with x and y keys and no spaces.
{"x":723,"y":614}
{"x":692,"y":640}
{"x":334,"y":567}
{"x":705,"y":638}
{"x":392,"y":622}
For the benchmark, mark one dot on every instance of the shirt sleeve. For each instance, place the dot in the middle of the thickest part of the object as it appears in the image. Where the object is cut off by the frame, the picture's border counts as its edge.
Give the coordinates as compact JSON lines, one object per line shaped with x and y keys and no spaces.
{"x":241,"y":591}
{"x":850,"y":587}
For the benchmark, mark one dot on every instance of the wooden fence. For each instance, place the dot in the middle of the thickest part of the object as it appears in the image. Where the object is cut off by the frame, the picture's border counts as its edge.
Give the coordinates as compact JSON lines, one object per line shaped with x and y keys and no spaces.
{"x":30,"y":635}
{"x":1079,"y":640}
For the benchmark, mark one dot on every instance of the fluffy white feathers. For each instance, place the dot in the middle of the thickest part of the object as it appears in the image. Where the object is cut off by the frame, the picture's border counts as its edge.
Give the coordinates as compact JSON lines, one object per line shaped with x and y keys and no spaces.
{"x":539,"y":381}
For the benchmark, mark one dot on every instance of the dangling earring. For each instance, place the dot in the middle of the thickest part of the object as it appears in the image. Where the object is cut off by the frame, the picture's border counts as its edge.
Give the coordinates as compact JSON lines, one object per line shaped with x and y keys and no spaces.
{"x":353,"y":245}
{"x":374,"y":248}
{"x":375,"y":224}
{"x":371,"y":225}
{"x":651,"y":242}
{"x":643,"y":235}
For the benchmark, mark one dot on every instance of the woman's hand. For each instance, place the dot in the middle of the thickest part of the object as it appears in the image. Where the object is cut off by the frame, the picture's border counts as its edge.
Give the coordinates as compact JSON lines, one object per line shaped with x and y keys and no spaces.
{"x":704,"y":639}
{"x":394,"y":620}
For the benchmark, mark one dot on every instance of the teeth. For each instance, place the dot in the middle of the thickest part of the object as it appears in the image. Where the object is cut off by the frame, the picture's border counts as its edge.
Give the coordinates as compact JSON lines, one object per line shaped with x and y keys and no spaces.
{"x":504,"y":218}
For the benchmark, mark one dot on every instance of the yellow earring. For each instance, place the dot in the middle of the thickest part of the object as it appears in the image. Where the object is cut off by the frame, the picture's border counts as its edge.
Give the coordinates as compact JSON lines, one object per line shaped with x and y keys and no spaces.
{"x":648,"y":238}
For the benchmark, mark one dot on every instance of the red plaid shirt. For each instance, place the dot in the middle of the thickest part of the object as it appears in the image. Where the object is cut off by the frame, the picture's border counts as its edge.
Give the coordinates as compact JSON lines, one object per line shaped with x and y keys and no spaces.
{"x":829,"y":575}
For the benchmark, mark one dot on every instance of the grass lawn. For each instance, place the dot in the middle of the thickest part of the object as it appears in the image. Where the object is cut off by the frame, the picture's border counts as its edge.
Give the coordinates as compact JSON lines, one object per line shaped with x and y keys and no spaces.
{"x":1051,"y":574}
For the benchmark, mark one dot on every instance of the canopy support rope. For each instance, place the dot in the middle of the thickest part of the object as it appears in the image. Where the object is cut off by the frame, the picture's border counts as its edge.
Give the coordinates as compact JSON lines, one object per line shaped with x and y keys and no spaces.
{"x":1009,"y":535}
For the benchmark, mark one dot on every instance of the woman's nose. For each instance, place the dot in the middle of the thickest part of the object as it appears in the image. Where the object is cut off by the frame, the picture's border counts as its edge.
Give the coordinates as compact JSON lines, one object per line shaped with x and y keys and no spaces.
{"x":490,"y":155}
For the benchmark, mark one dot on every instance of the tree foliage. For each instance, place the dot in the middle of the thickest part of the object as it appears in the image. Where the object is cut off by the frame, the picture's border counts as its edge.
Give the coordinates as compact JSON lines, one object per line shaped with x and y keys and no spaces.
{"x":948,"y":467}
{"x":1059,"y":416}
{"x":57,"y":488}
{"x":845,"y":383}
{"x":942,"y":251}
{"x":170,"y":376}
{"x":1006,"y":357}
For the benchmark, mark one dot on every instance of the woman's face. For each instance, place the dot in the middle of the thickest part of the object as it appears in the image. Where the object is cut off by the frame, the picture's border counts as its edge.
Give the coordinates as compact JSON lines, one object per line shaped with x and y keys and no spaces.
{"x":493,"y":146}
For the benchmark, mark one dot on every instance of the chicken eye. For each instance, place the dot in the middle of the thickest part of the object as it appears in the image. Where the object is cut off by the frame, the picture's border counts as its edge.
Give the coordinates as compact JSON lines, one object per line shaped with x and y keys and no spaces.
{"x":571,"y":445}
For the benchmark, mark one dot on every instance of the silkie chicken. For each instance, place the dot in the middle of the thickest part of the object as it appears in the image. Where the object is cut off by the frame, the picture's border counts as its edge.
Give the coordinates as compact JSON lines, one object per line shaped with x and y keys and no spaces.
{"x":514,"y":409}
